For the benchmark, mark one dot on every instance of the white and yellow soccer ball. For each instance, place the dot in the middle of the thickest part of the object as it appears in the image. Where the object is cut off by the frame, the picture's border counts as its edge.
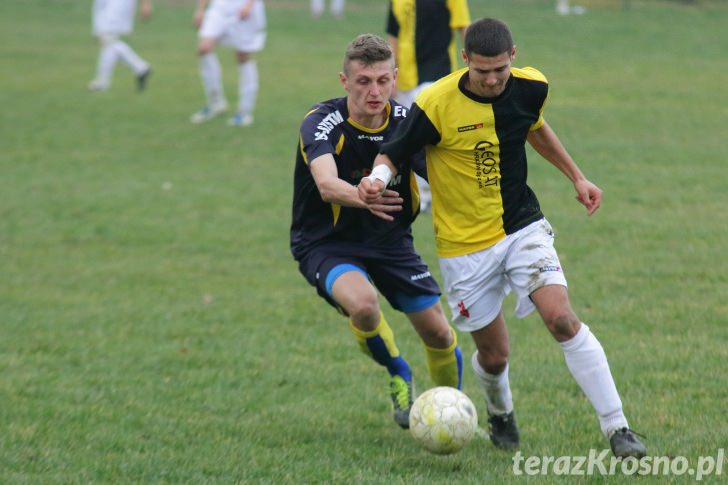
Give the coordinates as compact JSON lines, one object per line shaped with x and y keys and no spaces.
{"x":443,"y":420}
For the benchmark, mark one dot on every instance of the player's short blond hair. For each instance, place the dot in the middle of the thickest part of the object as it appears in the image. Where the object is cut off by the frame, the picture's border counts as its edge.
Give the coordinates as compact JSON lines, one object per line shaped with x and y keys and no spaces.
{"x":367,"y":49}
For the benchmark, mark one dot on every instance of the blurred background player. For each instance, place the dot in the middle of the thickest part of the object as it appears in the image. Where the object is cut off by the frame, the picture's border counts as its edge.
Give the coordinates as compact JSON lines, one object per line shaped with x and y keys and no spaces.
{"x":112,"y":19}
{"x":239,"y":24}
{"x":336,"y":7}
{"x":421,"y":33}
{"x":343,"y":248}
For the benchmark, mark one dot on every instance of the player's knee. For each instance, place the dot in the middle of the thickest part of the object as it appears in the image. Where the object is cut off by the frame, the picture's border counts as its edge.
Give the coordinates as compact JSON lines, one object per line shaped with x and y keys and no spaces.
{"x":365,"y":311}
{"x":563,"y":326}
{"x":494,"y":360}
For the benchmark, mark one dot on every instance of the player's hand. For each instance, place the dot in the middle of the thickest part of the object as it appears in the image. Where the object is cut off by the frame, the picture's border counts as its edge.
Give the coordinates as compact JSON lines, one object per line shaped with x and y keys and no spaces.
{"x":370,"y":191}
{"x":589,"y":195}
{"x":389,"y":201}
{"x":145,"y":11}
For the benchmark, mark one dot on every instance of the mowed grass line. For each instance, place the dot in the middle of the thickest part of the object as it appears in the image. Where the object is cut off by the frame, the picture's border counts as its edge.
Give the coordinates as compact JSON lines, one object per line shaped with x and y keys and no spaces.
{"x":154,"y":326}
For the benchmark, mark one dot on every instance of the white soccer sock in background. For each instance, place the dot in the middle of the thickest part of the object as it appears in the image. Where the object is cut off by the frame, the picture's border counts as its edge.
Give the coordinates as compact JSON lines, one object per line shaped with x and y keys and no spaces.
{"x":588,"y":364}
{"x":130,"y":58}
{"x":211,"y":75}
{"x":106,"y":63}
{"x":337,"y":8}
{"x":497,"y":389}
{"x":247,"y":87}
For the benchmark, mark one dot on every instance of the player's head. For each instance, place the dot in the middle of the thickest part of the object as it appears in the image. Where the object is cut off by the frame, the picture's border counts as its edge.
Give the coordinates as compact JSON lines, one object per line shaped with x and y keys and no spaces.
{"x":368,"y":76}
{"x":488,"y":51}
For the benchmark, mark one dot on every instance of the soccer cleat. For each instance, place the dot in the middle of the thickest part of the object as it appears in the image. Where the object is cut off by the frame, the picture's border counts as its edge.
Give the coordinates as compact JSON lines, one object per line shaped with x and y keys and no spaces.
{"x":624,"y":443}
{"x":209,"y":112}
{"x":402,"y":398}
{"x":141,"y":79}
{"x":97,"y":85}
{"x":238,"y":119}
{"x":503,"y":430}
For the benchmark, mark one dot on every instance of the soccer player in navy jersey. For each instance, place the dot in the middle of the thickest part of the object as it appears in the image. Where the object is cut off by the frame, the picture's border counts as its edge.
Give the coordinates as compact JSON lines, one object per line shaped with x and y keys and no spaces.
{"x":349,"y":250}
{"x":491,"y":235}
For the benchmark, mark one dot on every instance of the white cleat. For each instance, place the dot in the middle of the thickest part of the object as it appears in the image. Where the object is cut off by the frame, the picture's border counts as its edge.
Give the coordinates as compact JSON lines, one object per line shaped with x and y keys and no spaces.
{"x":208,"y":112}
{"x":240,"y":120}
{"x":97,"y":85}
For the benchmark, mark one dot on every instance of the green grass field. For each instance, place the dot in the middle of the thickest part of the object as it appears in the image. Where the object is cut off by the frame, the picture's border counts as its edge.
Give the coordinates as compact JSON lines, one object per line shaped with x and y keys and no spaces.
{"x":154,"y":327}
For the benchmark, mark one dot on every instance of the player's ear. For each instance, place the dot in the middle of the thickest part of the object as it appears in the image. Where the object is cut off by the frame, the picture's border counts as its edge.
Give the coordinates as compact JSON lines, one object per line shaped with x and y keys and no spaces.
{"x":342,"y":79}
{"x":513,"y":53}
{"x":464,"y":56}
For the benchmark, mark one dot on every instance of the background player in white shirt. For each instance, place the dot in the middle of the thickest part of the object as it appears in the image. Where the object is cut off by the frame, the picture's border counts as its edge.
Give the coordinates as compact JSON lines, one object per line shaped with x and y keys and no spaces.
{"x":239,"y":24}
{"x":112,"y":19}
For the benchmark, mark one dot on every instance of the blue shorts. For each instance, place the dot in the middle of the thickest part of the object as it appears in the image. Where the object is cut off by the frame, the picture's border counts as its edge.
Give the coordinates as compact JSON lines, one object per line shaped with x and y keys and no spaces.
{"x":400,"y":274}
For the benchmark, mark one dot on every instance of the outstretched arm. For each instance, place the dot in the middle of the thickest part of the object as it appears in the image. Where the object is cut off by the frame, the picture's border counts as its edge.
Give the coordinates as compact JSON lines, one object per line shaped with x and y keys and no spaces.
{"x":548,"y":145}
{"x":337,"y":191}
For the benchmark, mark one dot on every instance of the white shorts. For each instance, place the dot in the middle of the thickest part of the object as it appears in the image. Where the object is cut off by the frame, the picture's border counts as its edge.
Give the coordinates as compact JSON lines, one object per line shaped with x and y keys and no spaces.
{"x":476,"y":284}
{"x":113,"y":16}
{"x":222,"y":22}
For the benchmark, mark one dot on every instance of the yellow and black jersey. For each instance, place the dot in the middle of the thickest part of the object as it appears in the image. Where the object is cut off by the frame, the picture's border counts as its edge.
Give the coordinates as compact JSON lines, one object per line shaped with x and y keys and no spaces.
{"x":425,"y":43}
{"x":476,"y":157}
{"x":328,"y":129}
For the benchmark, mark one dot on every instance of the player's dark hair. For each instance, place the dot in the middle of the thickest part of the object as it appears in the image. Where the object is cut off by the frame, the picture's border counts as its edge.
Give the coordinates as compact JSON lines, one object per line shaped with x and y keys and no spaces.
{"x":367,"y":49}
{"x":488,"y":37}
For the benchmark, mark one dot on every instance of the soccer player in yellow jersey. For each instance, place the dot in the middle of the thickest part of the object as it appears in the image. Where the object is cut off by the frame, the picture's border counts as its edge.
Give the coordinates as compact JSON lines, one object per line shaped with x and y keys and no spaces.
{"x":490,"y":233}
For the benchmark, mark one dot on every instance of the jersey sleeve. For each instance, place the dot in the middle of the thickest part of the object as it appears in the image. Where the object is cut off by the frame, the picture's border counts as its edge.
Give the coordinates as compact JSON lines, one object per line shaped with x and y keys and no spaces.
{"x":316,"y":134}
{"x":411,"y":136}
{"x":534,"y":74}
{"x":459,"y":13}
{"x":392,"y":23}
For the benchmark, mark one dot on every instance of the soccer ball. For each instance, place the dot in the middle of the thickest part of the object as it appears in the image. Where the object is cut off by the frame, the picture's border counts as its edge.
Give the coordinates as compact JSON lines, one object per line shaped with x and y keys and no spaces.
{"x":443,"y":420}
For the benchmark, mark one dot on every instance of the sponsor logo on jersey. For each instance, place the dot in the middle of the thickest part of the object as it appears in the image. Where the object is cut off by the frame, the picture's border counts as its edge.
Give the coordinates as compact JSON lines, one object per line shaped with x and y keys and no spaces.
{"x":371,"y":137}
{"x":420,"y":276}
{"x":485,"y":165}
{"x":400,"y":112}
{"x":328,"y":124}
{"x":550,"y":268}
{"x":470,"y":127}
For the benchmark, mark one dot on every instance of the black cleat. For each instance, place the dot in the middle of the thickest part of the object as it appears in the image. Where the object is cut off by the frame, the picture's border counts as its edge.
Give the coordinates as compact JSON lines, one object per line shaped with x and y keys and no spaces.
{"x":503,"y":430}
{"x":142,"y":78}
{"x":624,"y":443}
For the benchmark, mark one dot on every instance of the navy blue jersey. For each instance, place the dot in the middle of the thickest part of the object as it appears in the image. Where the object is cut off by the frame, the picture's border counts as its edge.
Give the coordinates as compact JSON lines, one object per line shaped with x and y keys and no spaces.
{"x":327,"y":128}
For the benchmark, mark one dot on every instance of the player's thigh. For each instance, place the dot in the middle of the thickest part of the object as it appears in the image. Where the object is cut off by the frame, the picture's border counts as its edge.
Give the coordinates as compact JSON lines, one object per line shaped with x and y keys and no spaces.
{"x":432,"y":326}
{"x":404,"y":280}
{"x":532,"y":263}
{"x":475,"y":287}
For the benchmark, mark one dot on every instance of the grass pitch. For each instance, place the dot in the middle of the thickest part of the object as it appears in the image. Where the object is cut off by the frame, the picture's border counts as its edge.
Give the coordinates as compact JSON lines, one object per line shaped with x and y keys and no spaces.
{"x":155,"y":328}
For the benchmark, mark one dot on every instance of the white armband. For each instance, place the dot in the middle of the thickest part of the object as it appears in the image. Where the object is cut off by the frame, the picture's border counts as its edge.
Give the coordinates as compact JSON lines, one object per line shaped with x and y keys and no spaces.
{"x":381,"y":172}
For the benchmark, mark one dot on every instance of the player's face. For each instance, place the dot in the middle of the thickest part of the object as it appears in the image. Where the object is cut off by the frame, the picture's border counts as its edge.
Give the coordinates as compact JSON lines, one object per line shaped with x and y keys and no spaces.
{"x":488,"y":75}
{"x":368,"y":88}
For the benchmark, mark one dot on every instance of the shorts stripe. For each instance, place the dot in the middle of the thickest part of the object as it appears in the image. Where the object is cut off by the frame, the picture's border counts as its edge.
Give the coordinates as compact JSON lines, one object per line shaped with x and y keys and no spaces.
{"x":339,"y":270}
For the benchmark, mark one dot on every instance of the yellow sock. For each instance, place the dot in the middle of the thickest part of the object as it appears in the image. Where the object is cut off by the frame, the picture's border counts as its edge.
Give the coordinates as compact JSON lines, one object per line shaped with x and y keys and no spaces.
{"x":379,"y":345}
{"x":446,"y":365}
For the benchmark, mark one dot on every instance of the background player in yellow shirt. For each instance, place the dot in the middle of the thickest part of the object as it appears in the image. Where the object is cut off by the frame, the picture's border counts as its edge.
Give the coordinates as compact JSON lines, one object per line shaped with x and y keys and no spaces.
{"x":421,"y":33}
{"x":490,"y":233}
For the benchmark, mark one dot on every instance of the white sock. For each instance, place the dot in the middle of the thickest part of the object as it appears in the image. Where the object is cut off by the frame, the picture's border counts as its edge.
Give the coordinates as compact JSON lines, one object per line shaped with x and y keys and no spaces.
{"x":247,"y":87}
{"x":497,"y":389}
{"x":337,"y":8}
{"x":588,"y":364}
{"x":317,"y":7}
{"x":130,"y":58}
{"x":107,"y":61}
{"x":211,"y":75}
